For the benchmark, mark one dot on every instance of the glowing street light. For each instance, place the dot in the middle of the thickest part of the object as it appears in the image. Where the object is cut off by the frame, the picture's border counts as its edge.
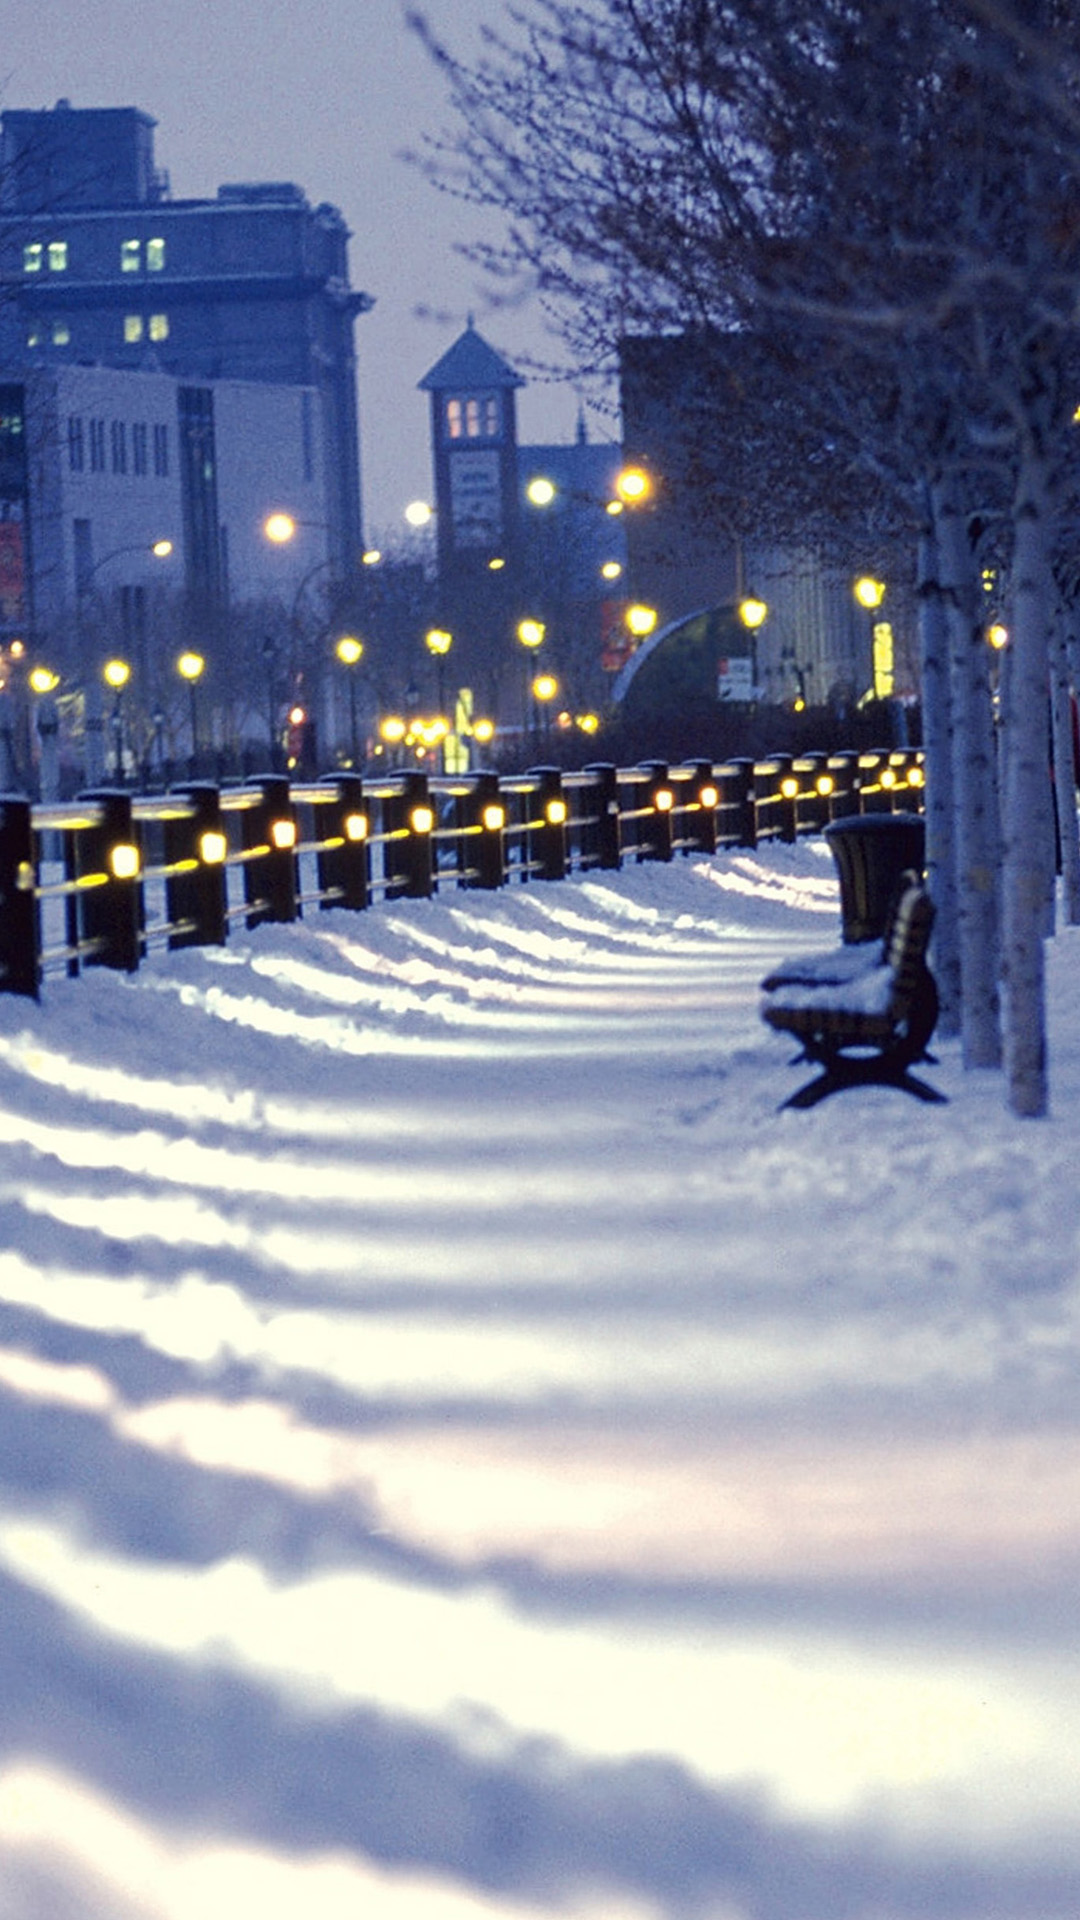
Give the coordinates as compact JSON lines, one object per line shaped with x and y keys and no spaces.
{"x":350,"y":651}
{"x":531,"y":632}
{"x":42,"y":680}
{"x":116,"y":674}
{"x":419,"y":513}
{"x":540,"y":491}
{"x":633,"y":486}
{"x":869,"y":592}
{"x":640,"y":620}
{"x":279,"y":528}
{"x":752,"y":611}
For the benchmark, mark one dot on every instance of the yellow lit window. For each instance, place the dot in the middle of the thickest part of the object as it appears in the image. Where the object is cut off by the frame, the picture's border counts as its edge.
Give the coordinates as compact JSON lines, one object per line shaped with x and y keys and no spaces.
{"x":453,"y":419}
{"x":472,"y":419}
{"x":159,"y":326}
{"x":133,"y":328}
{"x":58,"y":256}
{"x":33,"y":257}
{"x":155,"y":256}
{"x":130,"y":256}
{"x":61,"y":334}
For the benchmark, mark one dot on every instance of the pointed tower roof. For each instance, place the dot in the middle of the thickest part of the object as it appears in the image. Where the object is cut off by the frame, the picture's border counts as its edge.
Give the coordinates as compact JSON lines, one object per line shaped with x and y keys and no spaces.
{"x":470,"y":362}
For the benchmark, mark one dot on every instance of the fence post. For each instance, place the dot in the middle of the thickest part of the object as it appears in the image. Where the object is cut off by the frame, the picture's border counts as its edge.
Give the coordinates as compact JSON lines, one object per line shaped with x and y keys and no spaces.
{"x":743,"y":802}
{"x":195,"y":900}
{"x":411,"y":863}
{"x":486,"y":816}
{"x":606,"y":824}
{"x":111,"y":914}
{"x":344,"y":870}
{"x":547,"y":839}
{"x":270,"y":829}
{"x":661,"y":800}
{"x":20,"y":930}
{"x":702,"y":829}
{"x":787,"y":791}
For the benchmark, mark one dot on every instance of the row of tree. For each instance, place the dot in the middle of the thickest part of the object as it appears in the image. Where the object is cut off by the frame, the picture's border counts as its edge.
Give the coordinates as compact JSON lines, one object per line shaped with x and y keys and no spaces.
{"x":883,"y":196}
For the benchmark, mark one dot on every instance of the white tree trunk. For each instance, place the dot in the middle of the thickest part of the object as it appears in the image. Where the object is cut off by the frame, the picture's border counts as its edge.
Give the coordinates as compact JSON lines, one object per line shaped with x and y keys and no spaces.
{"x":1027,"y":791}
{"x":937,"y":734}
{"x":976,"y":811}
{"x":1064,"y":774}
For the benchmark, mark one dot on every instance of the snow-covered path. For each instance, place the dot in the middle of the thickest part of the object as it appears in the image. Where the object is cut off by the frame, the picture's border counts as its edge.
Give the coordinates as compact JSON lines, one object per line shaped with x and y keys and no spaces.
{"x":466,"y":1454}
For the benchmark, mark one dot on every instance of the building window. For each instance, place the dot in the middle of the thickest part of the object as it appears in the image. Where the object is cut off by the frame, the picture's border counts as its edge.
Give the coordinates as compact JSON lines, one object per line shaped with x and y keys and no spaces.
{"x":155,"y":256}
{"x":61,"y":333}
{"x":138,"y":447}
{"x":159,"y":326}
{"x":97,"y":446}
{"x":130,"y":256}
{"x":76,"y":447}
{"x":307,"y":436}
{"x":133,"y":328}
{"x":161,"y":452}
{"x":58,"y":256}
{"x":118,"y":437}
{"x":453,"y":419}
{"x":33,"y":257}
{"x":84,"y":555}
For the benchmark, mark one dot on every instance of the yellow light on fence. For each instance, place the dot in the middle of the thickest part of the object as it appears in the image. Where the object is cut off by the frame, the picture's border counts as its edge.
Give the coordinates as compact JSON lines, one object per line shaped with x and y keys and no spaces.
{"x":916,"y":777}
{"x":279,"y":528}
{"x":663,"y":800}
{"x":117,"y":673}
{"x":709,"y":797}
{"x":392,"y":729}
{"x":494,"y":819}
{"x":888,"y":777}
{"x":349,"y":650}
{"x":43,"y":680}
{"x":190,"y":665}
{"x":213,"y":847}
{"x":824,"y":784}
{"x":356,"y":826}
{"x":540,"y":492}
{"x":869,"y":592}
{"x":283,"y":834}
{"x":555,"y":813}
{"x":421,"y":819}
{"x":640,"y":620}
{"x":124,"y":861}
{"x":531,"y":632}
{"x":633,"y":485}
{"x":752,"y":611}
{"x":789,"y":787}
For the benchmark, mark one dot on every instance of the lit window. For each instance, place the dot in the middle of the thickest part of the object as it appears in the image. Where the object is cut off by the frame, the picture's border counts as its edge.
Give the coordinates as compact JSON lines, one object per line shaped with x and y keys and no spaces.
{"x":58,"y":256}
{"x":491,"y":415}
{"x":61,"y":333}
{"x":472,"y":419}
{"x":33,"y":337}
{"x":159,"y":326}
{"x":76,"y":452}
{"x":155,"y":256}
{"x":33,"y":257}
{"x":133,"y":328}
{"x":453,"y":419}
{"x":130,"y":256}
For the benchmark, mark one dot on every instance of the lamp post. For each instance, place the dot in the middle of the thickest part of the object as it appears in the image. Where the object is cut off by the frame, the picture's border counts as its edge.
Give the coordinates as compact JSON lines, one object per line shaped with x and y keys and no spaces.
{"x":116,"y":674}
{"x":438,"y":643}
{"x":544,"y":689}
{"x":530,"y":633}
{"x":190,"y":666}
{"x":869,"y":593}
{"x":350,"y":651}
{"x":159,"y":549}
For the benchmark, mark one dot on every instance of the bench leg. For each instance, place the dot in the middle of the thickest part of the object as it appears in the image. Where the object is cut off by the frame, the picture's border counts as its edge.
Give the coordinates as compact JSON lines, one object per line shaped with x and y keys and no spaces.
{"x":881,"y":1072}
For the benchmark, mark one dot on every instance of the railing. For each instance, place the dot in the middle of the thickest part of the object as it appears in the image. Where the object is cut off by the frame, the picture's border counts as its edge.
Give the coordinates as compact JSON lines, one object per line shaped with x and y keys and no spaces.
{"x":108,"y":878}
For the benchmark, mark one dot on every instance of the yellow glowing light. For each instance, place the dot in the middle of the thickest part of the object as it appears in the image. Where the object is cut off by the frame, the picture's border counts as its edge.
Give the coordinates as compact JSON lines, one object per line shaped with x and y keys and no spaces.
{"x":356,"y":826}
{"x":589,"y":722}
{"x":888,"y":777}
{"x":161,"y":549}
{"x":392,"y":729}
{"x":190,"y":665}
{"x":531,"y":632}
{"x":117,"y":673}
{"x":283,"y":834}
{"x":541,"y":491}
{"x":213,"y":847}
{"x":43,"y":680}
{"x":124,"y":861}
{"x":418,"y":513}
{"x":494,"y":819}
{"x":915,"y":777}
{"x":372,"y":557}
{"x":799,"y":704}
{"x":869,"y":592}
{"x":611,"y":570}
{"x":824,"y":784}
{"x":633,"y":485}
{"x":497,"y":564}
{"x":789,"y":787}
{"x":484,"y":731}
{"x":555,"y":813}
{"x":998,"y":636}
{"x":280,"y":528}
{"x":709,"y":797}
{"x":437,"y":640}
{"x":752,"y":611}
{"x":349,"y":650}
{"x":421,"y":819}
{"x":17,"y":649}
{"x":663,"y":800}
{"x":297,"y":716}
{"x":545,"y":686}
{"x":641,"y":620}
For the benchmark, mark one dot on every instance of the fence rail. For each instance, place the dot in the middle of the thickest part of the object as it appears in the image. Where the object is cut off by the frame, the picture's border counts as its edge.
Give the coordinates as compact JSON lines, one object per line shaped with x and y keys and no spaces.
{"x":113,"y":875}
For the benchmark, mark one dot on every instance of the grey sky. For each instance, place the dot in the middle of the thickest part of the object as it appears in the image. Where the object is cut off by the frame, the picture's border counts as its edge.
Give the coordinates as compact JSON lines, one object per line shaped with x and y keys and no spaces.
{"x":326,"y":94}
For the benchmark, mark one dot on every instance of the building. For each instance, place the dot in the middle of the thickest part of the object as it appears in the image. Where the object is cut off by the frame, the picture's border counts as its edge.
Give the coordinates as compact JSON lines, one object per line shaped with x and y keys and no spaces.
{"x":100,"y":269}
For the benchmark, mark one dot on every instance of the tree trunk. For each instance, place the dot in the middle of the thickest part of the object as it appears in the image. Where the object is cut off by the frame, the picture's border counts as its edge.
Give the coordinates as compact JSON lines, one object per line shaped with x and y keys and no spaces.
{"x":1027,"y":790}
{"x":1068,"y":837}
{"x":937,"y":737}
{"x":976,"y":812}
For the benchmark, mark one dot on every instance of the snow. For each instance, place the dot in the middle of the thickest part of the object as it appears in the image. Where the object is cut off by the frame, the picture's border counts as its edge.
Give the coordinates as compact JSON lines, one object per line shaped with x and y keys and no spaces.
{"x":466,"y":1455}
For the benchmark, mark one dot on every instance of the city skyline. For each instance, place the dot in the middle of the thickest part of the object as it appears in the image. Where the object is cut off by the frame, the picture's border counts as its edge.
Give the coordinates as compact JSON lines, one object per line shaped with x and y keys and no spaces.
{"x":333,"y":101}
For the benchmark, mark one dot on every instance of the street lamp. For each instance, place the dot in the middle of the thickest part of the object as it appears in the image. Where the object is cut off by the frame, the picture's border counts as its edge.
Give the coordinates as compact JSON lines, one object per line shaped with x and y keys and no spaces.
{"x":189,"y":666}
{"x":641,"y":620}
{"x":350,"y":651}
{"x":438,"y":643}
{"x":116,"y":674}
{"x":544,"y":689}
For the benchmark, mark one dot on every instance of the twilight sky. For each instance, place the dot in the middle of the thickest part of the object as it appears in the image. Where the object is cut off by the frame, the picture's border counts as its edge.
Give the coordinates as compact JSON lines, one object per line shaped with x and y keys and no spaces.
{"x":327,"y":94}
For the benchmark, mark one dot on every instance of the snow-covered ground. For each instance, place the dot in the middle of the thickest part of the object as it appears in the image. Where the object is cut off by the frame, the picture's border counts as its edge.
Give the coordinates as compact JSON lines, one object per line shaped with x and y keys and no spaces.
{"x":467,"y":1456}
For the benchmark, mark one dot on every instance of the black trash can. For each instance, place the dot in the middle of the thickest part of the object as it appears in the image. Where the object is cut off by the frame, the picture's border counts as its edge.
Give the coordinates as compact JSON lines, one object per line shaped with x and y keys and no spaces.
{"x":872,"y":851}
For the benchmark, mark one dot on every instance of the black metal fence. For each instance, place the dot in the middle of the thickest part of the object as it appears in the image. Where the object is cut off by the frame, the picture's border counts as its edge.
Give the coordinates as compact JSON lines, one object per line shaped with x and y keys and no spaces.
{"x":105,"y":879}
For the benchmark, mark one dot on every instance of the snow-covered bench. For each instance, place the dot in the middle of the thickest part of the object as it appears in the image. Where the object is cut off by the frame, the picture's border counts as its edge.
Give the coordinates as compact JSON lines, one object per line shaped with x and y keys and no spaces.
{"x":864,"y":1013}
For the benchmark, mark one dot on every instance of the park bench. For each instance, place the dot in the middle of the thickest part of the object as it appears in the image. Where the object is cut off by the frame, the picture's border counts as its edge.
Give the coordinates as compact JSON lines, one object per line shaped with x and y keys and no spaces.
{"x":863,"y":1013}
